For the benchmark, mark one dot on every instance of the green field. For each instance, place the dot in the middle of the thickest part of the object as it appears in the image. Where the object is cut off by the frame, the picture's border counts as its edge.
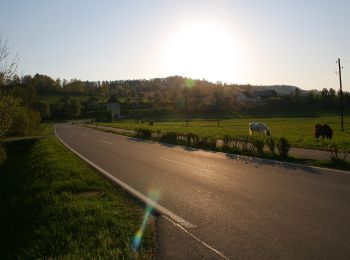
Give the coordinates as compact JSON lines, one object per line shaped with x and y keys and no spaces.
{"x":54,"y":206}
{"x":298,"y":130}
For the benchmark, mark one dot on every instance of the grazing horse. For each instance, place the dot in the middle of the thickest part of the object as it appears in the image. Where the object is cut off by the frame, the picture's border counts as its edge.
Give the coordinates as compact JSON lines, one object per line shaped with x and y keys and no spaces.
{"x":259,"y":127}
{"x":324,"y":131}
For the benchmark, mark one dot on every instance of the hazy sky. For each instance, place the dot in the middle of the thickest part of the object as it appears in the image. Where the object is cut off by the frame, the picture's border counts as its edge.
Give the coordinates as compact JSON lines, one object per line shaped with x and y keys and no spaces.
{"x":257,"y":42}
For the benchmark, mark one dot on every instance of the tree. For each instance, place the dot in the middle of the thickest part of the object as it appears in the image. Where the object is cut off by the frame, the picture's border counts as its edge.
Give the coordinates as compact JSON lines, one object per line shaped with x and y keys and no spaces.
{"x":73,"y":108}
{"x":27,"y":95}
{"x":8,"y":64}
{"x":43,"y":108}
{"x":24,"y":123}
{"x":8,"y":110}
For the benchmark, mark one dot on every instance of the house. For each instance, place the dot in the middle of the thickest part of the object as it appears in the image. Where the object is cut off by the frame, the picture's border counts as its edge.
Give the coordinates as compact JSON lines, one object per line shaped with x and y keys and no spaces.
{"x":264,"y":94}
{"x":245,"y":98}
{"x":113,"y":105}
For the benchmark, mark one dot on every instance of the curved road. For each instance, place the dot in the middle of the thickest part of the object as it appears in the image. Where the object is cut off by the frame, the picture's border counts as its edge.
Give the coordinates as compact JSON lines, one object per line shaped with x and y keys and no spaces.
{"x":244,"y":208}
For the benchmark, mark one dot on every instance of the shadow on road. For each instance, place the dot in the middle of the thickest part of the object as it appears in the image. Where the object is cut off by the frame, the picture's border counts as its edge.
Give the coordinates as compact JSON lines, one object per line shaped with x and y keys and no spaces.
{"x":261,"y":162}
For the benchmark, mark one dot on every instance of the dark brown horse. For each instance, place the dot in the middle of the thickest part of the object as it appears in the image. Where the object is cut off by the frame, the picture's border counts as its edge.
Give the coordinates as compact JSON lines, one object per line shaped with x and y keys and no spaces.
{"x":324,"y":131}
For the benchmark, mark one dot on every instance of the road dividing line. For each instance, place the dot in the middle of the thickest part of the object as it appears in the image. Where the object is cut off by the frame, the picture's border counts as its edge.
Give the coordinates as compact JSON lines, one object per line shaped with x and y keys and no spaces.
{"x":158,"y":208}
{"x":106,"y":142}
{"x":185,"y":164}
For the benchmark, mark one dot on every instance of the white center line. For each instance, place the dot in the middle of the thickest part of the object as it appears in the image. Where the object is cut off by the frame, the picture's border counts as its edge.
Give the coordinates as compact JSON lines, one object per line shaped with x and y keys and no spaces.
{"x":185,"y":164}
{"x":106,"y":142}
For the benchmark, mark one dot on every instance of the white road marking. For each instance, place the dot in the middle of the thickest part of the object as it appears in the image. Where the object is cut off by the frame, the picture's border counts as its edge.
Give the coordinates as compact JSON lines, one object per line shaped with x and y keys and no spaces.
{"x":197,"y":239}
{"x":106,"y":142}
{"x":185,"y":164}
{"x":157,"y":207}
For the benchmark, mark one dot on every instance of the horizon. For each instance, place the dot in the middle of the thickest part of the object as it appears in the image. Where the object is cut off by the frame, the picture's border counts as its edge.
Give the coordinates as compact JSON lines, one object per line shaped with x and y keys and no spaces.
{"x":261,"y":44}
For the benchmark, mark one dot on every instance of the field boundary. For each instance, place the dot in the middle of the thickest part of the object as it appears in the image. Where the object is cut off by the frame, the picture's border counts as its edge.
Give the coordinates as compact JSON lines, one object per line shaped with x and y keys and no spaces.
{"x":219,"y":152}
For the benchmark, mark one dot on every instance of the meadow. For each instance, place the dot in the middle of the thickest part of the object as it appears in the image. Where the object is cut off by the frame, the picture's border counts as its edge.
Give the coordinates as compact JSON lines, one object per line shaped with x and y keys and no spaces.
{"x":298,"y":130}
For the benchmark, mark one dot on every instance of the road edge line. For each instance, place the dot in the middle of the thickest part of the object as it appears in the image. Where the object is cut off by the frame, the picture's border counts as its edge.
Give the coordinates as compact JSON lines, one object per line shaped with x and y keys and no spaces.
{"x":157,"y":207}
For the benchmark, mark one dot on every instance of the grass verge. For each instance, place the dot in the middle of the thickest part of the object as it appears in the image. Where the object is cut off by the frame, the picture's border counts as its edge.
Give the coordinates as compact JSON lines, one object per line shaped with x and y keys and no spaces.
{"x":53,"y":205}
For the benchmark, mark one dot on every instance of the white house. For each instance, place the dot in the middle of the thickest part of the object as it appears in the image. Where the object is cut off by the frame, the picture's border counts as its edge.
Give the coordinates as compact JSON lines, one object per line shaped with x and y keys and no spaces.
{"x":245,"y":98}
{"x":264,"y":94}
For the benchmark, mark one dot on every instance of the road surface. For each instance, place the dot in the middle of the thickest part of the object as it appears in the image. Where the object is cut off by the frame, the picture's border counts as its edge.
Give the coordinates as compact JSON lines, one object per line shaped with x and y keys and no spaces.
{"x":237,"y":207}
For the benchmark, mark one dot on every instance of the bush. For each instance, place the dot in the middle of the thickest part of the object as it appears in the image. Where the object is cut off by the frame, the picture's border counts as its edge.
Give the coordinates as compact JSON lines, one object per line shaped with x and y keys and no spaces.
{"x":243,"y":144}
{"x":271,"y":144}
{"x":43,"y":108}
{"x":227,"y":141}
{"x":258,"y":145}
{"x":72,"y":108}
{"x":207,"y":142}
{"x":24,"y":123}
{"x":283,"y":147}
{"x":334,"y":153}
{"x":8,"y":109}
{"x":169,"y":137}
{"x":143,"y":133}
{"x":192,"y":140}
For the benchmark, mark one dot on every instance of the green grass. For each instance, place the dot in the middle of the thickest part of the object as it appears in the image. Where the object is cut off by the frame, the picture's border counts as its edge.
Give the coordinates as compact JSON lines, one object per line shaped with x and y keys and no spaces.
{"x":298,"y":131}
{"x":53,"y":205}
{"x":45,"y":129}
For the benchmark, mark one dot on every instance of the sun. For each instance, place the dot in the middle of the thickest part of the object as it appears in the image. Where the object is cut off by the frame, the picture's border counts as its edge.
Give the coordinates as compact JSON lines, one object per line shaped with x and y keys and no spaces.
{"x":202,"y":50}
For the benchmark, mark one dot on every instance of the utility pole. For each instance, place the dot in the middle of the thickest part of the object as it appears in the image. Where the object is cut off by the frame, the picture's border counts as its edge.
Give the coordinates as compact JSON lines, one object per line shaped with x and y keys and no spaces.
{"x":341,"y":97}
{"x":186,"y":106}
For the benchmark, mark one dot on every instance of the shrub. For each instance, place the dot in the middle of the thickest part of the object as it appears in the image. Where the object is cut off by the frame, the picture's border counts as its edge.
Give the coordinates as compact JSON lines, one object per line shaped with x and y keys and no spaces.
{"x":243,"y":143}
{"x":207,"y":142}
{"x":283,"y":147}
{"x":24,"y":123}
{"x":271,"y":144}
{"x":227,"y":141}
{"x":72,"y":108}
{"x":43,"y":108}
{"x":192,"y":140}
{"x":143,"y":133}
{"x":258,"y":145}
{"x":334,"y":153}
{"x":182,"y":138}
{"x":8,"y":110}
{"x":169,"y":137}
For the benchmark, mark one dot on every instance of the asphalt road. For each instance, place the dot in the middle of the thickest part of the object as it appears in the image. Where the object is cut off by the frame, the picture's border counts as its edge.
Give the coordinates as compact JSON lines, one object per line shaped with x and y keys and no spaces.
{"x":244,"y":208}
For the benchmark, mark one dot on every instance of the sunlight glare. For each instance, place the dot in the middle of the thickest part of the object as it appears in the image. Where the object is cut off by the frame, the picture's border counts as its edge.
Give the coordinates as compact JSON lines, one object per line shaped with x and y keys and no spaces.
{"x":202,"y":50}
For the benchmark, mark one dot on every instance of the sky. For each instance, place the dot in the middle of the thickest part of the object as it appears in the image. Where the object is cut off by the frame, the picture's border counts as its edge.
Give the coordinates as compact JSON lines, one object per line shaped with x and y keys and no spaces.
{"x":291,"y":42}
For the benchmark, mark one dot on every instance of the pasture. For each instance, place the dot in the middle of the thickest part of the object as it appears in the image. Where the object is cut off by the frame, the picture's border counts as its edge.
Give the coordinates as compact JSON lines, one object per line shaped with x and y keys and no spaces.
{"x":298,"y":130}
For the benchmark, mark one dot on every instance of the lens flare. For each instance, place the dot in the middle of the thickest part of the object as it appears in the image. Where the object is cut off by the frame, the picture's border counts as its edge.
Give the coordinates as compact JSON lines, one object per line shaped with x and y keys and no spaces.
{"x":153,"y":196}
{"x":189,"y":83}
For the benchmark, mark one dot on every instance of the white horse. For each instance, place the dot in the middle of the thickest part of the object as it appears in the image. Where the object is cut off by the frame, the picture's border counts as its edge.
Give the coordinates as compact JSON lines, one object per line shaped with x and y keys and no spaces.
{"x":259,"y":127}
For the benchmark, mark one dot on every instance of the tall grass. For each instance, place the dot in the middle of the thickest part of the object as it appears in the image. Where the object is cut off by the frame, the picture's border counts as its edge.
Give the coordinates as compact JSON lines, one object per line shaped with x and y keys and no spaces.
{"x":53,"y":205}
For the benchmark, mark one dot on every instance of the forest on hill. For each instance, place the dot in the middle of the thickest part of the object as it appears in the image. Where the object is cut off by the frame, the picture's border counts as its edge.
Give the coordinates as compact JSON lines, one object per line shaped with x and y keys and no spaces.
{"x":62,"y":99}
